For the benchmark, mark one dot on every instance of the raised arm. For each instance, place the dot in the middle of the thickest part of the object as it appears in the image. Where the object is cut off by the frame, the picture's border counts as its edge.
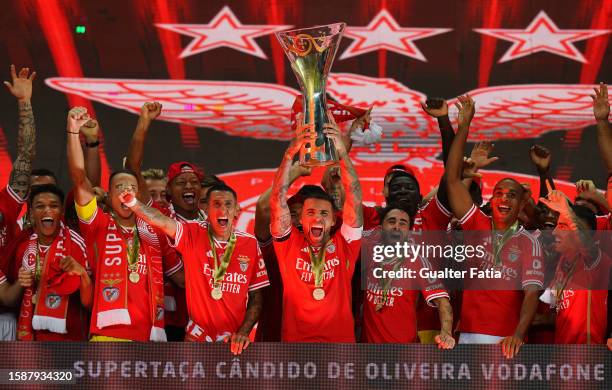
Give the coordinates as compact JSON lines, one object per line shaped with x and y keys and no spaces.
{"x":438,"y":109}
{"x":21,"y":88}
{"x":83,"y":190}
{"x":280,"y":217}
{"x":352,"y":213}
{"x":151,"y":215}
{"x":459,"y":197}
{"x":91,"y":131}
{"x":262,"y":209}
{"x":601,"y":110}
{"x":541,"y":157}
{"x":148,"y":112}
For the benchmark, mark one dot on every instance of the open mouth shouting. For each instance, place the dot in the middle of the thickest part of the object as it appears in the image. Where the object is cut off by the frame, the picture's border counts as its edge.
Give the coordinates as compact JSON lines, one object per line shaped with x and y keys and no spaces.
{"x":316,"y":231}
{"x":189,"y":198}
{"x":47,"y":222}
{"x":223,"y":221}
{"x":504,"y":209}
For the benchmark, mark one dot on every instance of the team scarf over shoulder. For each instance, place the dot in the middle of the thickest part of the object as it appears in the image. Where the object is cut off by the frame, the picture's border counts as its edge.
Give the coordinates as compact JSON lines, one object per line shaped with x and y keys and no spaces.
{"x":111,"y":299}
{"x":53,"y":289}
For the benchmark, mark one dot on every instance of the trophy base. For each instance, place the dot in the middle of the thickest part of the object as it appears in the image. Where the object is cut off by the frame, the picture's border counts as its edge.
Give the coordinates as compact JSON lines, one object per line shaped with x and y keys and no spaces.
{"x":316,"y":163}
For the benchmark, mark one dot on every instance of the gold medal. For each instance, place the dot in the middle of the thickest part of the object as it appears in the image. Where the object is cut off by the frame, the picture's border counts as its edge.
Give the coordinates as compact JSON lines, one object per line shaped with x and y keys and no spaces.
{"x":134,"y":277}
{"x":216,"y":293}
{"x":318,"y":294}
{"x":379,"y":306}
{"x":35,"y":299}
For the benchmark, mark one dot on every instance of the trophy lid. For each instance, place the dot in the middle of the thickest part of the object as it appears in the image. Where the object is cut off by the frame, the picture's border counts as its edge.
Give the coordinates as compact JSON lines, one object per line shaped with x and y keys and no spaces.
{"x":316,"y":31}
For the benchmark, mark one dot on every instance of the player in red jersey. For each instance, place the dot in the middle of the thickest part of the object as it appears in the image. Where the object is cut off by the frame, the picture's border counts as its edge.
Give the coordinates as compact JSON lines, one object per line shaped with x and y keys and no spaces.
{"x":132,"y":256}
{"x":579,"y":289}
{"x":12,"y":198}
{"x":495,"y":316}
{"x":224,"y":268}
{"x":53,"y":274}
{"x":389,"y":311}
{"x":317,"y":266}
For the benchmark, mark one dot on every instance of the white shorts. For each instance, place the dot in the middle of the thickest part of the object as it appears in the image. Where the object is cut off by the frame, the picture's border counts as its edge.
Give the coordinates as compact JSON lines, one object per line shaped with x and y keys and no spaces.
{"x":479,"y":338}
{"x":8,"y":327}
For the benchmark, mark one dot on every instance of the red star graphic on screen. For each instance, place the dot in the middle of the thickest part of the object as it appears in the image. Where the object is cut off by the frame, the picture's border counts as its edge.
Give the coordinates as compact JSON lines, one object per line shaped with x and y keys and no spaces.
{"x":224,"y":30}
{"x":542,"y":34}
{"x":383,"y":32}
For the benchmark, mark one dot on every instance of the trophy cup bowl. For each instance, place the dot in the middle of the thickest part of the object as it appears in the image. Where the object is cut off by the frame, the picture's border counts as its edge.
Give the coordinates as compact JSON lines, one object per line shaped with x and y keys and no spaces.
{"x":311,"y":52}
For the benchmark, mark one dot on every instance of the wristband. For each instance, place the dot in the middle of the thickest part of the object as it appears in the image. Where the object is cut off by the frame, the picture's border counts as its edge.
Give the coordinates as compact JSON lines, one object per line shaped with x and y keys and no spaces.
{"x":131,"y":203}
{"x":92,"y":144}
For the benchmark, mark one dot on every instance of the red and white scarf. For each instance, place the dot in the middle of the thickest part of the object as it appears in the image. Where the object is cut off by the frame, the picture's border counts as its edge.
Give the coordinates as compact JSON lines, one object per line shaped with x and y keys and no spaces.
{"x":111,"y":307}
{"x":53,"y":289}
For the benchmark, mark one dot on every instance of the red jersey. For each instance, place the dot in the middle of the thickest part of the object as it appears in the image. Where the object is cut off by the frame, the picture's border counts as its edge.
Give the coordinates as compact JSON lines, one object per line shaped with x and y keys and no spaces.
{"x":138,"y":306}
{"x":497,"y":312}
{"x":582,"y":314}
{"x":396,"y":320}
{"x":246,"y":272}
{"x":371,"y":218}
{"x":76,"y":324}
{"x":10,"y":207}
{"x":269,"y":324}
{"x":306,"y":319}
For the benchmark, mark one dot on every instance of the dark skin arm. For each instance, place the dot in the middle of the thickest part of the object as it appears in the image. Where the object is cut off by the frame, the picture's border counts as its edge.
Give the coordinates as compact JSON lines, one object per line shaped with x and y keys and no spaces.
{"x":93,"y":167}
{"x":541,"y":157}
{"x":239,"y":341}
{"x":512,"y":344}
{"x":148,"y":113}
{"x":10,"y":294}
{"x":438,"y":109}
{"x":459,"y":197}
{"x":72,"y":267}
{"x":21,"y":88}
{"x":601,"y":111}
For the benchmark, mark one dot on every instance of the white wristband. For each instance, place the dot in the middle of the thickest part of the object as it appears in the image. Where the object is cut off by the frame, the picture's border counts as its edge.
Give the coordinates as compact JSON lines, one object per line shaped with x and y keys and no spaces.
{"x":131,"y":203}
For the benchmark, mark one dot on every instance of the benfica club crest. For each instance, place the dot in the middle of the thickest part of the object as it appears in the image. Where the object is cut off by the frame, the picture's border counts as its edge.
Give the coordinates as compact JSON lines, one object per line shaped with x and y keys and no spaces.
{"x":244,"y":262}
{"x":110,"y":294}
{"x":53,"y":301}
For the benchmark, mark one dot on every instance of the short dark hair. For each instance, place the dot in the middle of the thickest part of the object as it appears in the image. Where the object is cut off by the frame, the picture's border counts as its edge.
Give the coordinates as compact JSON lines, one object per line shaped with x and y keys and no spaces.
{"x":522,"y":189}
{"x":220,"y":187}
{"x":298,"y":197}
{"x":43,"y":172}
{"x":316,"y":192}
{"x":210,"y":180}
{"x":397,"y":174}
{"x":586,"y":215}
{"x":396,"y":206}
{"x":44,"y":189}
{"x":120,"y":171}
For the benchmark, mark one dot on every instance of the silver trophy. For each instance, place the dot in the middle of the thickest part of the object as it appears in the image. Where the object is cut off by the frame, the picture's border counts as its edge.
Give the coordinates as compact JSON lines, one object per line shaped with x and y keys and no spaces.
{"x":311,"y":52}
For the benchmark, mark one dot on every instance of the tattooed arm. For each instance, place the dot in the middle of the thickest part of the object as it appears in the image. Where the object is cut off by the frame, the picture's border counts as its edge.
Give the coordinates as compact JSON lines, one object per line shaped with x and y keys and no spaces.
{"x":352,"y":213}
{"x":148,"y":112}
{"x":280,"y":217}
{"x":21,"y":88}
{"x":151,"y":215}
{"x":240,"y":340}
{"x":445,"y":339}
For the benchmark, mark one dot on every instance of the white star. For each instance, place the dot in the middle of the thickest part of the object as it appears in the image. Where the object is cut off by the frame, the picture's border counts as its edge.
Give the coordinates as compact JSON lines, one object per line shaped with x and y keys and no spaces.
{"x":542,"y":34}
{"x":383,"y":32}
{"x":224,"y":30}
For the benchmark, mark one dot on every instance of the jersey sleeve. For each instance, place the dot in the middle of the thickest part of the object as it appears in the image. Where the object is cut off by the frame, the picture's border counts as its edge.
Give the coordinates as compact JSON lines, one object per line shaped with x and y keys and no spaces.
{"x":282,"y":245}
{"x":532,"y":262}
{"x":2,"y":278}
{"x":475,"y":219}
{"x":90,"y":218}
{"x":351,"y":237}
{"x":79,"y":249}
{"x":171,"y":260}
{"x":10,"y":206}
{"x":431,"y":289}
{"x":434,"y":216}
{"x":259,"y":278}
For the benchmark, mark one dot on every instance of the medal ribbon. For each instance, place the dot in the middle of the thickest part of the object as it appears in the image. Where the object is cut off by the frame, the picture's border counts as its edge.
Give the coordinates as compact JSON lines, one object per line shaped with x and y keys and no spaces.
{"x":498,"y":245}
{"x":317,"y":263}
{"x":220,"y":268}
{"x":132,"y":250}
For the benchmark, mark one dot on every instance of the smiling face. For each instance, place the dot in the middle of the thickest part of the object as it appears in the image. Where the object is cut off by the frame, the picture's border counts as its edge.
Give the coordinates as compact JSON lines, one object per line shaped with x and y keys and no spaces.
{"x":506,"y":202}
{"x":121,"y":182}
{"x":395,"y":226}
{"x":185,"y":191}
{"x":566,"y":239}
{"x":222,"y":212}
{"x":157,"y":190}
{"x":317,"y":220}
{"x":46,"y":213}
